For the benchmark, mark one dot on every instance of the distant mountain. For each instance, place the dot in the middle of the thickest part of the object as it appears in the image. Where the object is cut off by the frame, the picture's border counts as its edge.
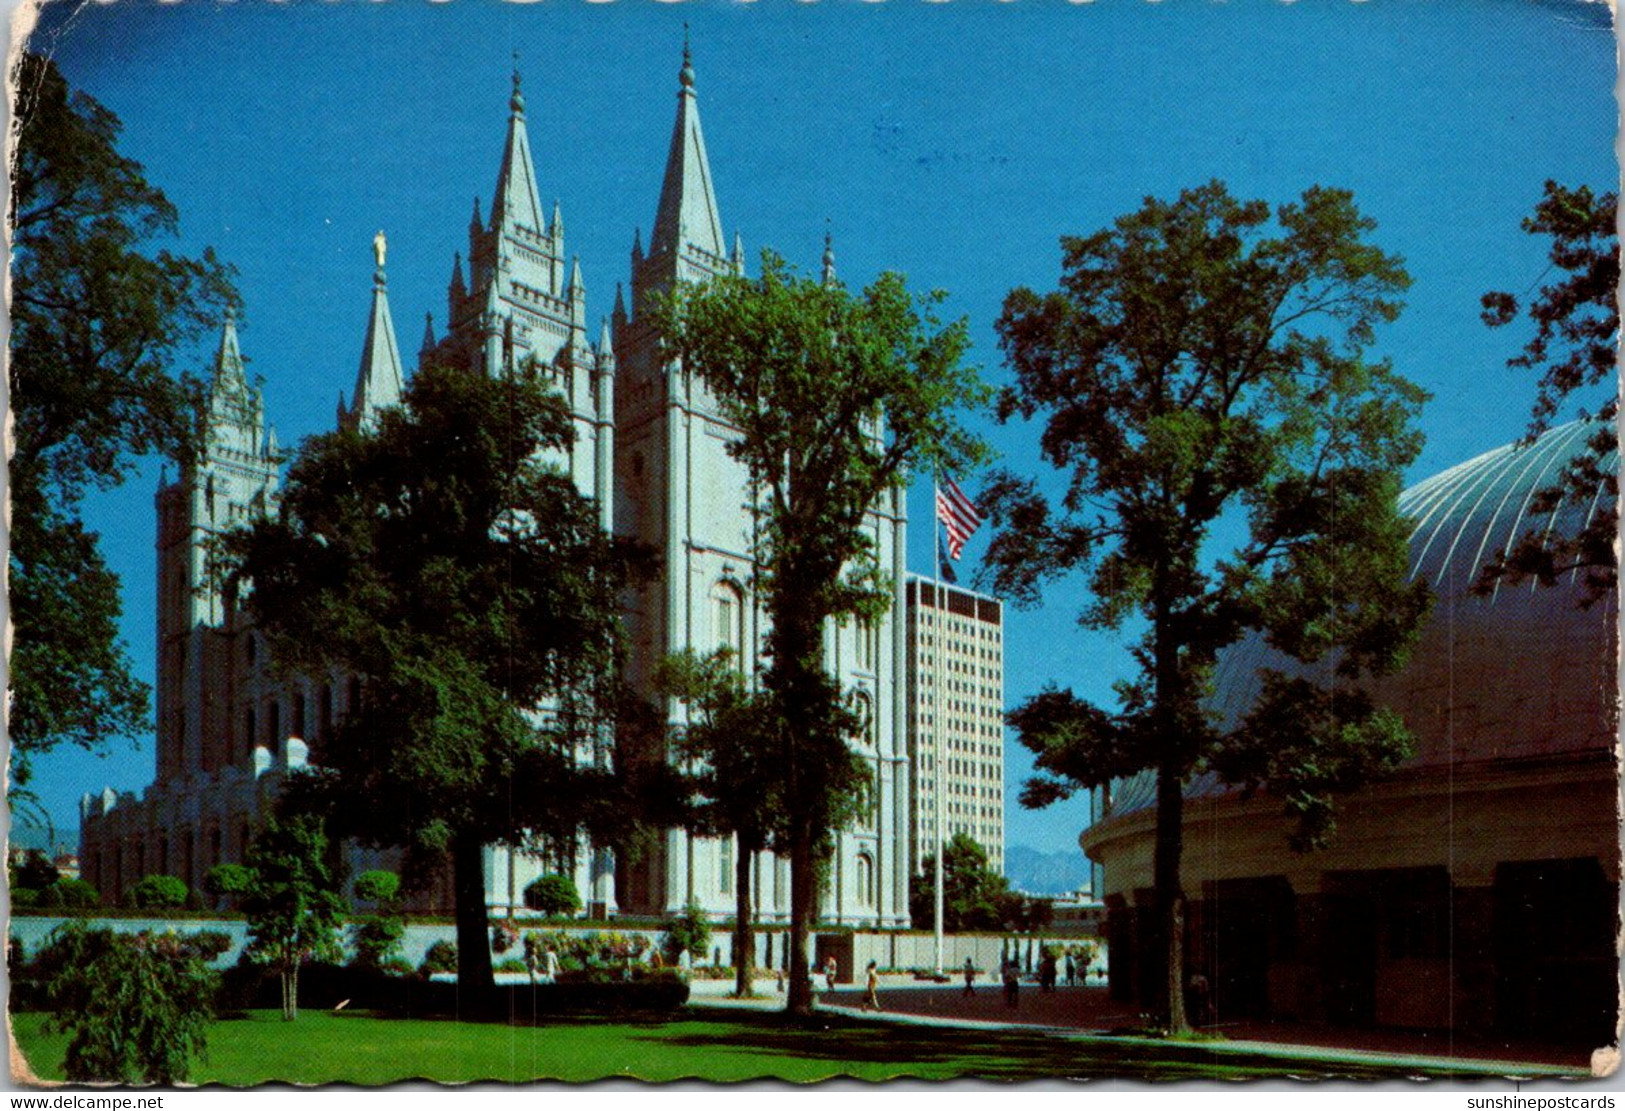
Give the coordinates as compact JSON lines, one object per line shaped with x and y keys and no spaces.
{"x":1041,"y":873}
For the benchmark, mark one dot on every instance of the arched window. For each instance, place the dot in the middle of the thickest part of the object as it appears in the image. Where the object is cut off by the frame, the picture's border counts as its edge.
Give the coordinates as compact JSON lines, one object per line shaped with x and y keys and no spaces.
{"x":866,"y":880}
{"x":299,"y":715}
{"x":725,"y":867}
{"x":250,"y":736}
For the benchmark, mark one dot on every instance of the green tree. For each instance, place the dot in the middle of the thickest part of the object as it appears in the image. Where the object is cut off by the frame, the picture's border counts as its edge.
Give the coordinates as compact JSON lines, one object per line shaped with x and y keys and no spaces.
{"x":688,"y":933}
{"x":158,"y":893}
{"x":554,"y":895}
{"x":440,"y":558}
{"x":376,"y":938}
{"x":227,"y":883}
{"x":1231,"y":465}
{"x":974,"y":897}
{"x":1575,"y":350}
{"x":293,"y":906}
{"x":97,"y":319}
{"x":837,"y":399}
{"x":136,"y":1007}
{"x":731,"y":745}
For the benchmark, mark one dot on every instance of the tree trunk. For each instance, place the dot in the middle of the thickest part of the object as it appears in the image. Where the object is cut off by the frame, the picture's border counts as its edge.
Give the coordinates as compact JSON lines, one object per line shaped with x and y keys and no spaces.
{"x":803,"y":906}
{"x":293,"y":992}
{"x":475,"y":978}
{"x":1170,"y":895}
{"x":744,"y":912}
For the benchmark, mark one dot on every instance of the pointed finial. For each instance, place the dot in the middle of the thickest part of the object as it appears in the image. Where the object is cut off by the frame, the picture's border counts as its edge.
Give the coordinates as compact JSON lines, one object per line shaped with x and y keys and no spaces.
{"x":577,"y":289}
{"x":637,"y":242}
{"x":231,"y":314}
{"x":517,"y":102}
{"x":474,"y":222}
{"x":687,"y":74}
{"x":558,"y":219}
{"x":829,"y":254}
{"x":620,"y":303}
{"x":739,"y":249}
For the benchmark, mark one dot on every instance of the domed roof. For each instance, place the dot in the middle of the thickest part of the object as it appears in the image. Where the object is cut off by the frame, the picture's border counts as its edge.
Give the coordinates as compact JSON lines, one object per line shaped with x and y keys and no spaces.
{"x":1523,"y":671}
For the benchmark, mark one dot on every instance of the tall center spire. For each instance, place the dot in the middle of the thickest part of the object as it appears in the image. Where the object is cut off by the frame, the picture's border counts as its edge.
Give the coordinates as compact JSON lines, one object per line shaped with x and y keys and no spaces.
{"x":688,"y":208}
{"x":516,"y":199}
{"x":378,"y":379}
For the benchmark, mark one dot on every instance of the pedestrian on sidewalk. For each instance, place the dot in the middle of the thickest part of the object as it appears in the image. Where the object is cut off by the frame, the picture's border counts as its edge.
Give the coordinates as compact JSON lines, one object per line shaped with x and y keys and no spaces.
{"x":970,"y":977}
{"x":1071,"y":971}
{"x":871,"y":996}
{"x":829,"y":973}
{"x":1012,"y":984}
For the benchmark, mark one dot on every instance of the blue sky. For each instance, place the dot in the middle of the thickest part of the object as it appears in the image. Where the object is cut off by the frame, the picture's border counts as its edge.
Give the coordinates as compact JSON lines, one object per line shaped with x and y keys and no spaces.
{"x":954,"y":142}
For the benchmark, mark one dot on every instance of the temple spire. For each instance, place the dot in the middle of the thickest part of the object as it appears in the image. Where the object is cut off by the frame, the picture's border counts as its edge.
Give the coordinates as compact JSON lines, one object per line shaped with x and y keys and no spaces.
{"x":229,"y":374}
{"x":688,"y":206}
{"x":515,"y":201}
{"x":829,"y":257}
{"x":378,"y":379}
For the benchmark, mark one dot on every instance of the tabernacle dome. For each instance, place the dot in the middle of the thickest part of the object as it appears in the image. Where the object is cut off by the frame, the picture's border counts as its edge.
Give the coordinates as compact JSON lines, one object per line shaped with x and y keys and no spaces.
{"x":1476,"y":888}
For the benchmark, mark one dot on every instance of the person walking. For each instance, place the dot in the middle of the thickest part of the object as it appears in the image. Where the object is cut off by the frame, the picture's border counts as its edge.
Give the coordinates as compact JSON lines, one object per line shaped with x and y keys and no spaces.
{"x":871,"y":994}
{"x":829,"y":973}
{"x":1012,"y":984}
{"x":1071,"y":971}
{"x":970,"y":977}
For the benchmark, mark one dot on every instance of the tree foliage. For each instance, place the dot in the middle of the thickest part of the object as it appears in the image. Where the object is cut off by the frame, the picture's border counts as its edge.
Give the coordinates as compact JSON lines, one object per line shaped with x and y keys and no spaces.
{"x":836,"y":398}
{"x":136,"y":1007}
{"x":293,"y":905}
{"x":729,"y":744}
{"x":441,"y":559}
{"x":1574,"y":350}
{"x":689,"y":933}
{"x":554,"y":895}
{"x":158,"y":893}
{"x":97,"y":319}
{"x":1231,"y":463}
{"x":974,"y":897}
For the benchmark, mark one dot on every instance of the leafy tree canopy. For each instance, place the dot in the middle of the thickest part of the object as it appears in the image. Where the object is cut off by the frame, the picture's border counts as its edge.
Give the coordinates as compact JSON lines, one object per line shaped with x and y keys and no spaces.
{"x":443,"y":559}
{"x":1230,"y":461}
{"x":1574,"y":350}
{"x":835,"y":398}
{"x":293,"y":905}
{"x":974,"y":897}
{"x":97,"y":320}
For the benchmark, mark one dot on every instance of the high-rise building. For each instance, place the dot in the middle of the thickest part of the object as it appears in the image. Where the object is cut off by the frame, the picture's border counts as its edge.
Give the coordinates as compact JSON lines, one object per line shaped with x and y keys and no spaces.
{"x":651,"y":450}
{"x":955,"y":716}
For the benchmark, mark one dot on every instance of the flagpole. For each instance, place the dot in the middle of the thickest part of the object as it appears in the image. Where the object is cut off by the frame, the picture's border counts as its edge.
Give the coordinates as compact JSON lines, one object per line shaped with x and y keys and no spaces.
{"x":936,"y":708}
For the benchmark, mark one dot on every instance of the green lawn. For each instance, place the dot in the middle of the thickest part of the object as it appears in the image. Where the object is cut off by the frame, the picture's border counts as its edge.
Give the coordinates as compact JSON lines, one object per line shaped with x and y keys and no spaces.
{"x":363,"y":1049}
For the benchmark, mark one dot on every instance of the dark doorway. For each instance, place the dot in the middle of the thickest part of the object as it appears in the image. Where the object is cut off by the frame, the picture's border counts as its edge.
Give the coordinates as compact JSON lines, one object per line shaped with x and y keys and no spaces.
{"x":1556,"y":975}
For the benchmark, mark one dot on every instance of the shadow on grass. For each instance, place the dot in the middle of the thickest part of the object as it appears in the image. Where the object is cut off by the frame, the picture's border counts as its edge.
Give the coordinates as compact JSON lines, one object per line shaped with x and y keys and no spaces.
{"x":989,"y":1054}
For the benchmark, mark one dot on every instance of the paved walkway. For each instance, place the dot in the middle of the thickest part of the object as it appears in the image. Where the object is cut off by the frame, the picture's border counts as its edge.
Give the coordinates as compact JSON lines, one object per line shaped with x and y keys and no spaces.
{"x":1091,"y":1011}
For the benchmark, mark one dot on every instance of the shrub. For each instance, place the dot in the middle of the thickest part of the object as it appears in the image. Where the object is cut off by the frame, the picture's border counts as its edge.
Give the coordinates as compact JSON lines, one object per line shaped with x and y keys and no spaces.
{"x":24,"y":897}
{"x":377,"y":941}
{"x":512,"y":964}
{"x":689,"y":932}
{"x":136,"y":1007}
{"x":377,"y":886}
{"x":158,"y":893}
{"x":75,"y":894}
{"x":504,"y":936}
{"x":206,"y":945}
{"x":554,"y":895}
{"x":228,"y":881}
{"x":441,"y":957}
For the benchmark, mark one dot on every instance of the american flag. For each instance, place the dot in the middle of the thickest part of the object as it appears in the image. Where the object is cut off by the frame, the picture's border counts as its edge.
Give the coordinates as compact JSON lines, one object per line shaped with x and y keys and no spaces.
{"x":958,"y":515}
